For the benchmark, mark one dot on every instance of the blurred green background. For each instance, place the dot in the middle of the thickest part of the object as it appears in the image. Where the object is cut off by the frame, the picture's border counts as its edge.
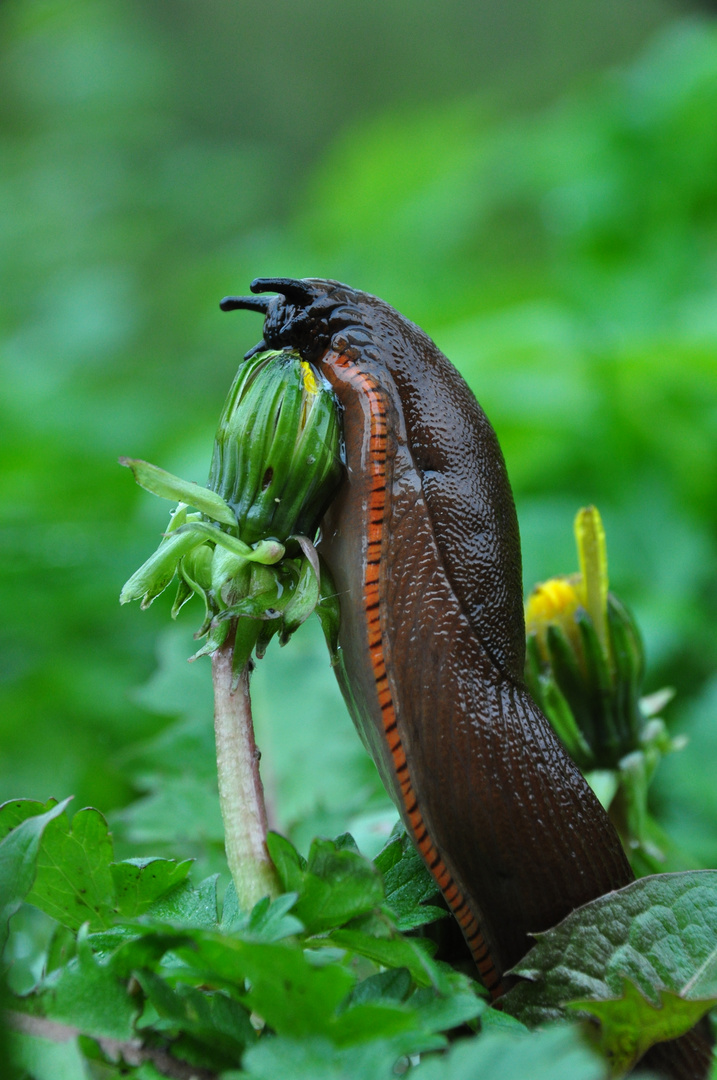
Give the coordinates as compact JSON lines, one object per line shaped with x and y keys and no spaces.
{"x":533,"y":183}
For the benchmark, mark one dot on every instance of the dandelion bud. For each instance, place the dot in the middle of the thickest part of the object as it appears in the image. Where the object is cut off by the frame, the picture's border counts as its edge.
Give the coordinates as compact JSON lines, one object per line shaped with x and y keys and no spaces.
{"x":277,"y":453}
{"x":585,"y":668}
{"x":585,"y":660}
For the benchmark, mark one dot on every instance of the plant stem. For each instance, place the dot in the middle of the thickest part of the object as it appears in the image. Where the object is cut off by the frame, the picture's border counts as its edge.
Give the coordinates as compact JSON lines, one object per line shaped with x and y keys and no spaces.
{"x":241,"y":794}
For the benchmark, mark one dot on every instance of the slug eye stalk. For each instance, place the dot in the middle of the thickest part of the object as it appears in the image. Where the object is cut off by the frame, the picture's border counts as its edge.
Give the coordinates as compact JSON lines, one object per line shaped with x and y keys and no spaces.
{"x":245,"y":303}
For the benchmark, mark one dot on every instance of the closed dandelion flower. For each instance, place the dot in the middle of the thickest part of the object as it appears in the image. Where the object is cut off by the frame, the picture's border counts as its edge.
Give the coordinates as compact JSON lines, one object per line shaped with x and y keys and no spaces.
{"x":585,"y":667}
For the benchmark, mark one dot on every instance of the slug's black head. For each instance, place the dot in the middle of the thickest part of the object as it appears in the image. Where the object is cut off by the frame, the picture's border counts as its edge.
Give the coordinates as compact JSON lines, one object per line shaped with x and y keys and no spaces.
{"x":302,"y":317}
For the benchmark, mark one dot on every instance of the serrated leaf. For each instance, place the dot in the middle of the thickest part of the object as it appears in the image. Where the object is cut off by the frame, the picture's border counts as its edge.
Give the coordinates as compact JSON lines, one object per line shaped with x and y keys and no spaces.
{"x":554,"y":1054}
{"x":294,"y":996}
{"x":167,"y":486}
{"x":335,"y":885}
{"x":407,"y":883}
{"x":188,"y":905}
{"x":19,"y":852}
{"x":211,"y":1017}
{"x":318,"y":1059}
{"x":88,"y":995}
{"x":630,"y":1024}
{"x":73,"y":883}
{"x":459,"y":1000}
{"x":15,"y":811}
{"x":138,"y":883}
{"x":392,"y":985}
{"x":393,"y":952}
{"x":659,"y":932}
{"x":339,"y":885}
{"x":268,"y":921}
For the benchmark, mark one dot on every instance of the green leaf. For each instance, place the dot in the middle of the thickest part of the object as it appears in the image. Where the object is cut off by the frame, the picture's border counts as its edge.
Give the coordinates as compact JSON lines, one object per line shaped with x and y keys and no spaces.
{"x":553,"y":1054}
{"x":14,"y":812}
{"x":44,"y":1060}
{"x":162,"y":483}
{"x":18,"y":853}
{"x":392,"y":985}
{"x":408,"y":883}
{"x":292,"y":994}
{"x":213,"y":1018}
{"x":289,"y":865}
{"x":74,"y":881}
{"x":336,"y":885}
{"x":268,"y":920}
{"x":138,"y":883}
{"x":630,"y":1024}
{"x":154,"y":575}
{"x":318,"y":1059}
{"x":188,"y":905}
{"x":88,"y":995}
{"x":660,"y":933}
{"x":393,"y":952}
{"x":458,"y":1001}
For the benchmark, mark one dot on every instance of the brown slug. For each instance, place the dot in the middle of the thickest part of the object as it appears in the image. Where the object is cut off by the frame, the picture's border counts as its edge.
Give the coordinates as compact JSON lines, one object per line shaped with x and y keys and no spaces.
{"x":422,"y":542}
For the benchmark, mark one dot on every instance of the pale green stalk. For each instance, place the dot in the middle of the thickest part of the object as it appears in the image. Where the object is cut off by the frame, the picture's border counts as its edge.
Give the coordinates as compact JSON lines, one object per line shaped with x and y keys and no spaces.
{"x":241,"y":793}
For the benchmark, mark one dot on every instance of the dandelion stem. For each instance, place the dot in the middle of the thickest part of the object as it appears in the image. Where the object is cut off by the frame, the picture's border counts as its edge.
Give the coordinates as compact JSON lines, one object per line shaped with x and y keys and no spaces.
{"x":241,"y":794}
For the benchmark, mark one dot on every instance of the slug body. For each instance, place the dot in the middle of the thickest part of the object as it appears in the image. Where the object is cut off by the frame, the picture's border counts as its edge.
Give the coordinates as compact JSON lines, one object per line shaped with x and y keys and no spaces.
{"x":422,"y":542}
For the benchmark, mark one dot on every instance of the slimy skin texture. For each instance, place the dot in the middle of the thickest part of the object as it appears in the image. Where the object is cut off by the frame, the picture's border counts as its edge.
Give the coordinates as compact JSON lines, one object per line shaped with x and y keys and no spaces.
{"x":423,"y":546}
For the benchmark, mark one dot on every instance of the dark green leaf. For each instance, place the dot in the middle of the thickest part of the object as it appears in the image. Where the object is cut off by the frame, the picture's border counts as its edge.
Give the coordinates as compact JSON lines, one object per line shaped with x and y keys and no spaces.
{"x":458,"y":1001}
{"x":293,"y":995}
{"x":213,"y":1018}
{"x":268,"y":920}
{"x":290,"y":866}
{"x":408,"y":883}
{"x":391,"y":985}
{"x":659,"y":932}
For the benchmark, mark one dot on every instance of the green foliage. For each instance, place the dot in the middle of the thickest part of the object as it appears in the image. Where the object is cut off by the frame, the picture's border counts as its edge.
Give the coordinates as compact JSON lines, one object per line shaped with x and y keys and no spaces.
{"x":143,"y":956}
{"x":642,"y":960}
{"x":67,"y":869}
{"x":156,"y":961}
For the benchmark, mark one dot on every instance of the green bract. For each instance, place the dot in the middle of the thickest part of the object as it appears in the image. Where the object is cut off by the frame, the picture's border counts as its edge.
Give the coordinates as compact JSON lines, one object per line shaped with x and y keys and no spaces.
{"x":247,"y":549}
{"x":276,"y":458}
